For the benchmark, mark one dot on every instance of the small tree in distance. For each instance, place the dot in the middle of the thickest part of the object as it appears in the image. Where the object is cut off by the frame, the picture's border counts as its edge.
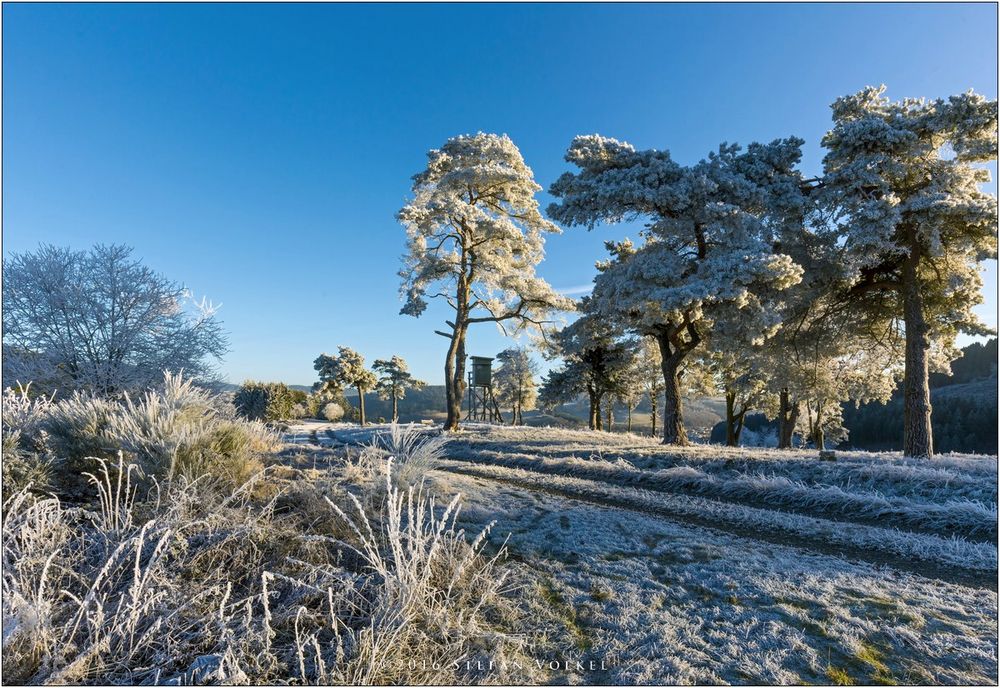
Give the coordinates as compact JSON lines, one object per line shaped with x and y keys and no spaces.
{"x":630,"y":390}
{"x":393,"y":381}
{"x":649,"y":364}
{"x":347,"y":369}
{"x":515,"y":382}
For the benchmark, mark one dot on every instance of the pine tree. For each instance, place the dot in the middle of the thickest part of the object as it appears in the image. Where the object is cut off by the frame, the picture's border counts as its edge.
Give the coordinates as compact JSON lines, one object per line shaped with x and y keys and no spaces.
{"x":347,"y":369}
{"x":903,"y":189}
{"x":595,"y":359}
{"x":475,"y":236}
{"x":708,"y":253}
{"x":394,"y":379}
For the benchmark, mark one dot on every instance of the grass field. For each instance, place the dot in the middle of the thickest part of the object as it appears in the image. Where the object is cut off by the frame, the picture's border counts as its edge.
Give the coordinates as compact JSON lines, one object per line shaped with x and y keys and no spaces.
{"x":709,"y":564}
{"x":198,"y":547}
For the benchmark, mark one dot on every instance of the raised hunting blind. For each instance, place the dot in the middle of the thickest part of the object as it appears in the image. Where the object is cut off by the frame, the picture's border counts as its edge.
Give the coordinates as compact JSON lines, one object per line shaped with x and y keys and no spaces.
{"x":482,"y":402}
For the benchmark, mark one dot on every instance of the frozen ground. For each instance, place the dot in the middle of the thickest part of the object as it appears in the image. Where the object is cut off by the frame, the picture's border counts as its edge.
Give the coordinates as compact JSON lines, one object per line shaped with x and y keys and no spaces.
{"x":718,"y":565}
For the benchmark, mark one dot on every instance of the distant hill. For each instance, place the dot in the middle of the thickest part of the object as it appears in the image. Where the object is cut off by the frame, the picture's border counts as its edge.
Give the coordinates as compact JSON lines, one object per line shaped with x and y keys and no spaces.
{"x":232,"y":387}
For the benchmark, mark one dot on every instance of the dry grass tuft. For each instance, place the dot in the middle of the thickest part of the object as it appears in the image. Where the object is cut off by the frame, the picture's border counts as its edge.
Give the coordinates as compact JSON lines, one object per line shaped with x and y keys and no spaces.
{"x":181,"y":584}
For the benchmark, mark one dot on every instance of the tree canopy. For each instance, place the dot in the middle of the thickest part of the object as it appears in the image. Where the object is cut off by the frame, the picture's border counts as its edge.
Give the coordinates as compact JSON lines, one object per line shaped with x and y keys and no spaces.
{"x":708,"y":259}
{"x":346,"y":369}
{"x":394,"y":379}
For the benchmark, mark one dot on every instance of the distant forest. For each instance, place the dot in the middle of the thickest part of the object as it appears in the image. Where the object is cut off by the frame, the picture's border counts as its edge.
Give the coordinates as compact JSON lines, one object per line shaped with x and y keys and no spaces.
{"x":964,"y":403}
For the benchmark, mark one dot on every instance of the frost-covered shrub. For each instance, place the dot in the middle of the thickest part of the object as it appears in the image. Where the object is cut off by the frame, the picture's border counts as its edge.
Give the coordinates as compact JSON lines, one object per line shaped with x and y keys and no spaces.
{"x":229,"y":451}
{"x":214,"y":588}
{"x":23,"y":412}
{"x":410,"y":451}
{"x":22,"y":469}
{"x":154,"y":426}
{"x":333,"y":412}
{"x":25,"y":461}
{"x":414,"y":452}
{"x":77,"y":432}
{"x":177,"y":430}
{"x":263,"y":401}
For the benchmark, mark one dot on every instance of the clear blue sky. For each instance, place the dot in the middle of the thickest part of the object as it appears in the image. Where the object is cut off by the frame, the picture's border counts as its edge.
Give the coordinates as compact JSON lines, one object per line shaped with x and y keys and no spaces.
{"x":258,"y":153}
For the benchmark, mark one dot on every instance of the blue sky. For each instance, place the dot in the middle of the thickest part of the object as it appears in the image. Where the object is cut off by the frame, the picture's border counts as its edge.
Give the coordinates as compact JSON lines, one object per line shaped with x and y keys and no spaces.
{"x":258,"y":153}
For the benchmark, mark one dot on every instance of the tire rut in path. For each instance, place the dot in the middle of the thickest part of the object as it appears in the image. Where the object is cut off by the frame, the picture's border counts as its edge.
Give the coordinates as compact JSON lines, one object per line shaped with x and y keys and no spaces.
{"x":642,"y":482}
{"x":942,"y":572}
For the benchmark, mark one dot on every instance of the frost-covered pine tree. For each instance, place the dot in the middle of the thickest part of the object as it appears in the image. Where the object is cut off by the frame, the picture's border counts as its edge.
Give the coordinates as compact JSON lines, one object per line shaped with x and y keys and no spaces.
{"x":394,"y":379}
{"x":902,"y":181}
{"x":651,"y":372}
{"x":474,"y":237}
{"x":514,"y":381}
{"x":708,"y":255}
{"x":346,"y":369}
{"x":596,"y":359}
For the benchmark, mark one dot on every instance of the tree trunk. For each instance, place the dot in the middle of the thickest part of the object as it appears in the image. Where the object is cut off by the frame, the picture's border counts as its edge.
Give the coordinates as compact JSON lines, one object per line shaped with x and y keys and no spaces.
{"x":740,"y":417}
{"x":460,"y":375}
{"x":788,"y":416}
{"x":917,"y":433}
{"x":594,"y":421}
{"x":817,"y":429}
{"x":395,"y":407}
{"x":628,"y":427}
{"x":361,"y":405}
{"x":652,"y":405}
{"x":611,"y":415}
{"x":454,"y":370}
{"x":734,"y":420}
{"x":453,"y":408}
{"x":731,"y":439}
{"x":673,"y":408}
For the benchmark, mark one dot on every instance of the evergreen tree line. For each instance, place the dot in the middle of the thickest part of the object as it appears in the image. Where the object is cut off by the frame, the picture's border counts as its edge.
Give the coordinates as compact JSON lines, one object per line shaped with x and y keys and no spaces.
{"x":783,"y":292}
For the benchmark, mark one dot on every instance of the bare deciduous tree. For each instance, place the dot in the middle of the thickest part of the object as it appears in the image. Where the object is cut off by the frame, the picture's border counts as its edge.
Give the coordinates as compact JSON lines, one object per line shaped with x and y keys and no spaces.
{"x":101,"y":321}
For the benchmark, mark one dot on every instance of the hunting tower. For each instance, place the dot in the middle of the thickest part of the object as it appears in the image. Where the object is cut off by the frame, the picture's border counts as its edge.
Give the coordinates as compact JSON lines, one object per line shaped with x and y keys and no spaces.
{"x":482,"y":403}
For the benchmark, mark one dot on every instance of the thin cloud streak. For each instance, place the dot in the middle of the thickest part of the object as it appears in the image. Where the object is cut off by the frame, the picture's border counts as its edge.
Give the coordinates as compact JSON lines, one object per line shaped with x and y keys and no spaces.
{"x":575,"y":291}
